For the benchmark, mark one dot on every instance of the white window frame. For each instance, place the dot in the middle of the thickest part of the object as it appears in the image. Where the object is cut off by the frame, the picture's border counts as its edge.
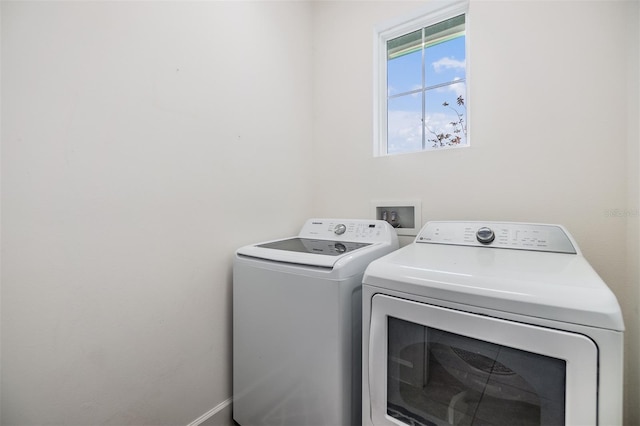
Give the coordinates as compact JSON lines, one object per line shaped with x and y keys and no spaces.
{"x":433,"y":13}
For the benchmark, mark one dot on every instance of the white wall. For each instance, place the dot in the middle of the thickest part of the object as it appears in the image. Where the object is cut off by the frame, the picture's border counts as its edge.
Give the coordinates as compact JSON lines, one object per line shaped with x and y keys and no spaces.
{"x":142,"y":143}
{"x":631,"y":301}
{"x":553,"y":99}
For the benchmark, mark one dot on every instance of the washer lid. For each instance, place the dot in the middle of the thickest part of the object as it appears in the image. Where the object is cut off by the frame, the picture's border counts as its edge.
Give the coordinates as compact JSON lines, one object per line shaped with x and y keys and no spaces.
{"x":555,"y":286}
{"x":312,"y":246}
{"x":304,"y":251}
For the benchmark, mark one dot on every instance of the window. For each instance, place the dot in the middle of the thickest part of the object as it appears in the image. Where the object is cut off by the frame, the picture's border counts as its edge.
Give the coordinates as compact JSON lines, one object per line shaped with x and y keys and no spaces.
{"x":421,"y":82}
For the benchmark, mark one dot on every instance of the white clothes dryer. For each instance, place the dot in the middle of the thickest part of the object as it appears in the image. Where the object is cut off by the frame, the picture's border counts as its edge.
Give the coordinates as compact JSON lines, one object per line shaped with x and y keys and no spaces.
{"x":490,"y":323}
{"x":297,"y":321}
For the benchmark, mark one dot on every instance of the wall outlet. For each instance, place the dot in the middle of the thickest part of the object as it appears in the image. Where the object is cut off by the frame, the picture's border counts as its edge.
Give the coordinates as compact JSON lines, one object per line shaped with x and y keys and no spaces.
{"x":404,"y":216}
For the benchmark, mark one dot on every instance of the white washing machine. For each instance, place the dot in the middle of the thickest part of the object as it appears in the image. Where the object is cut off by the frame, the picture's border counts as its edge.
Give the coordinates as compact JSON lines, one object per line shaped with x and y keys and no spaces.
{"x":297,"y":321}
{"x":490,"y":323}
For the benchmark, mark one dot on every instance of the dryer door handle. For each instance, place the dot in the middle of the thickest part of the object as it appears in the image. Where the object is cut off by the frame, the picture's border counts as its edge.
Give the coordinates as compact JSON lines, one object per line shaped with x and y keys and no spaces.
{"x":377,"y":367}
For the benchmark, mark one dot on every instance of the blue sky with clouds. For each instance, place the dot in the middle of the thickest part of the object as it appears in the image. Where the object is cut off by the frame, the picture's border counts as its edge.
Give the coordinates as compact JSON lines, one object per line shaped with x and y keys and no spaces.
{"x":444,"y":63}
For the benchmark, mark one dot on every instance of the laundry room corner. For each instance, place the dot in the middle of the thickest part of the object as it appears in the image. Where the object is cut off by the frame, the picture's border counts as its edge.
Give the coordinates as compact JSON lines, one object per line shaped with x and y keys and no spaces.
{"x":146,"y":144}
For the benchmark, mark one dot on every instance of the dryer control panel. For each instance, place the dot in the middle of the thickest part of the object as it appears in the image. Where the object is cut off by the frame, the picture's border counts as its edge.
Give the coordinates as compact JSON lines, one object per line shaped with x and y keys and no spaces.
{"x":507,"y":235}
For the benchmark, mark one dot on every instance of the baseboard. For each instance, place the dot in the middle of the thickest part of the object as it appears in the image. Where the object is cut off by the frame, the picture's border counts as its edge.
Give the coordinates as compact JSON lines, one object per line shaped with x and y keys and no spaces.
{"x":220,"y":415}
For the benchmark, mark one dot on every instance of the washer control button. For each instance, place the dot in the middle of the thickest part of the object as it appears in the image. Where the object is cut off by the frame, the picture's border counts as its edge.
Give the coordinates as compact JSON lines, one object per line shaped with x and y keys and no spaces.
{"x":485,"y":235}
{"x":340,"y":229}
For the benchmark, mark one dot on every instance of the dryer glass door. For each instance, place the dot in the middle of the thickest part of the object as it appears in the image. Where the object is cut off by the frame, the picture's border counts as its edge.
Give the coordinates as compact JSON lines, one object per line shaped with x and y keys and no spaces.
{"x":435,"y":366}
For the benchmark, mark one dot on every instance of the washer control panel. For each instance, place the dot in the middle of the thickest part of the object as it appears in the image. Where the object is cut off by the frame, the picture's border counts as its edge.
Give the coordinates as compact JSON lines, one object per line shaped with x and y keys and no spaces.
{"x":508,"y":235}
{"x":347,"y":230}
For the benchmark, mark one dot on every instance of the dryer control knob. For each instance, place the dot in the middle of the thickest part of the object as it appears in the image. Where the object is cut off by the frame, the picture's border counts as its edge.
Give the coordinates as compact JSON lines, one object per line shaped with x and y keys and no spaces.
{"x":340,"y":229}
{"x":485,"y":235}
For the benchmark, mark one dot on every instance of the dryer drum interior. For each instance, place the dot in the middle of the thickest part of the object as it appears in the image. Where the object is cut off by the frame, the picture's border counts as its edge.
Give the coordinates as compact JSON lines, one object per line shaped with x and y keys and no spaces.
{"x":435,"y":376}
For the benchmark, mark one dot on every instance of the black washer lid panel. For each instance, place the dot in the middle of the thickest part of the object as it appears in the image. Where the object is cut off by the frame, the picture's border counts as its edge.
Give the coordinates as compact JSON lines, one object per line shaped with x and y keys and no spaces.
{"x":312,"y":246}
